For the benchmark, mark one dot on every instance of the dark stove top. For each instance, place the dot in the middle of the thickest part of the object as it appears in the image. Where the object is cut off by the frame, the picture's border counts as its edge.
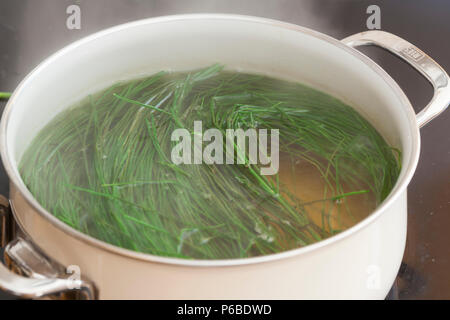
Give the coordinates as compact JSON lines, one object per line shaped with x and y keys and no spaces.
{"x":31,"y":30}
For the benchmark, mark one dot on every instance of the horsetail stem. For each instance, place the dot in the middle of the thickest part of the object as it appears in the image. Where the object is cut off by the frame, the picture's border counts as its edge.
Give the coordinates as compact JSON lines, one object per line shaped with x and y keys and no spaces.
{"x":5,"y":95}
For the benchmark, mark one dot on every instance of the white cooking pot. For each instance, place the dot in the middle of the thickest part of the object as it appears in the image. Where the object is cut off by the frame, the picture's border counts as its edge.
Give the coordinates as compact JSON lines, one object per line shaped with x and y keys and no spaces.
{"x":360,"y":262}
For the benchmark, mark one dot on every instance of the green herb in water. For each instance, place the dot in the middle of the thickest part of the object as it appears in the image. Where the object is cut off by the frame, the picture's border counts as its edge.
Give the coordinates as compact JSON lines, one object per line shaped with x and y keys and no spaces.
{"x":104,"y":166}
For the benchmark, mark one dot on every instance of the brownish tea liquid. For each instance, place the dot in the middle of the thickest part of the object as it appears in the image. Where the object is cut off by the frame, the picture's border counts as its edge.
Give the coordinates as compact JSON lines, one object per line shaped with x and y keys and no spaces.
{"x":303,"y":180}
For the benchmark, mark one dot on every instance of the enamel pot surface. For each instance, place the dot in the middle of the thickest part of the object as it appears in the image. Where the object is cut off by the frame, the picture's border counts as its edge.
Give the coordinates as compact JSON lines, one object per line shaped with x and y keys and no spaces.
{"x":360,"y":262}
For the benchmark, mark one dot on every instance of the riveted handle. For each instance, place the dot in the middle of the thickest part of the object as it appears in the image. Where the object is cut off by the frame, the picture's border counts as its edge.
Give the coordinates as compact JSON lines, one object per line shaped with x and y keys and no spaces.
{"x":432,"y":71}
{"x":33,"y":288}
{"x":35,"y":275}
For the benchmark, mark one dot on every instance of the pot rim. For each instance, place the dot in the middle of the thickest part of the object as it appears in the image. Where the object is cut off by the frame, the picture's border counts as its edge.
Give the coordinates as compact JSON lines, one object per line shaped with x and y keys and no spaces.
{"x":400,"y":186}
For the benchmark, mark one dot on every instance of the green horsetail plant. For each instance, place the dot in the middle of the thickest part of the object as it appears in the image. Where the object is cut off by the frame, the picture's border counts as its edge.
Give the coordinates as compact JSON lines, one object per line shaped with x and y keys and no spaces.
{"x":5,"y":95}
{"x":104,"y":166}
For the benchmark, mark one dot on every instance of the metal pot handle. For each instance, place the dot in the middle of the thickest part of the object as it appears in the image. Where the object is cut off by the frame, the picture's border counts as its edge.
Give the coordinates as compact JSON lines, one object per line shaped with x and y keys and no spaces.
{"x":417,"y":59}
{"x":35,"y":275}
{"x":41,"y":278}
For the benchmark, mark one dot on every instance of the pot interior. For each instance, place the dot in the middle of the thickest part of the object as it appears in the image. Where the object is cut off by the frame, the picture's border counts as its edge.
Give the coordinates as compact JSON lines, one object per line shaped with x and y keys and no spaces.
{"x":183,"y":43}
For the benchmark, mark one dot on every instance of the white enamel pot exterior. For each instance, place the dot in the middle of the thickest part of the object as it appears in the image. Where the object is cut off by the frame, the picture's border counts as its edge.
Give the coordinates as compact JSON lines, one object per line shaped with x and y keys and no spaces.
{"x":361,"y":262}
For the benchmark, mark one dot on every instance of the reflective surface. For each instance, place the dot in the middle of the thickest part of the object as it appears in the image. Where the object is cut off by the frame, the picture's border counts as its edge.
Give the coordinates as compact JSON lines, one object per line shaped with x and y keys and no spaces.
{"x":31,"y":30}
